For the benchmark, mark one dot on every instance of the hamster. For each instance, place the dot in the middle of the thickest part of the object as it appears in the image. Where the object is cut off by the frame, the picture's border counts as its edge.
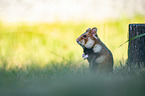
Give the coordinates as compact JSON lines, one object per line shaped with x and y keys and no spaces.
{"x":98,"y":55}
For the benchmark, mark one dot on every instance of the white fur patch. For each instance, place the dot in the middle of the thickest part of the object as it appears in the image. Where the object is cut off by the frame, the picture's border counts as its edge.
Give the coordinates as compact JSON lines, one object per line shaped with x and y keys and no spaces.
{"x":97,"y":48}
{"x":89,"y":43}
{"x":100,"y":59}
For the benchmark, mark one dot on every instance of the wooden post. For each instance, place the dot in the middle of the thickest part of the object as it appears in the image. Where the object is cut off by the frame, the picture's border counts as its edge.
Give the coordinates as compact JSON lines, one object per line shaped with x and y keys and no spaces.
{"x":136,"y":48}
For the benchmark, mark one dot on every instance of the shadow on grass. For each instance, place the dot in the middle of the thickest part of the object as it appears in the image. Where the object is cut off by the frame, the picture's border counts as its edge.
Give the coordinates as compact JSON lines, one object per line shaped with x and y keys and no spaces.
{"x":69,"y":80}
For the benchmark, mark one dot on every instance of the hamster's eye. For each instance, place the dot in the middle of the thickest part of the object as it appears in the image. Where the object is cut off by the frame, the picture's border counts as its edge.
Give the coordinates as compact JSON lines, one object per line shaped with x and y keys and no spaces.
{"x":84,"y":36}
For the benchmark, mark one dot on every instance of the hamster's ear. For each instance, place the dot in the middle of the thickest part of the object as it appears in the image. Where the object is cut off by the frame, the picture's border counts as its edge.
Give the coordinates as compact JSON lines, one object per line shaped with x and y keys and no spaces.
{"x":94,"y":31}
{"x":88,"y":29}
{"x":90,"y":32}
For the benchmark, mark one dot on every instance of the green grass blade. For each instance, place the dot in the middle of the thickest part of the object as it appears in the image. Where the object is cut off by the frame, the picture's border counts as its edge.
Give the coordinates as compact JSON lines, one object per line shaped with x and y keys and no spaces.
{"x":135,"y":37}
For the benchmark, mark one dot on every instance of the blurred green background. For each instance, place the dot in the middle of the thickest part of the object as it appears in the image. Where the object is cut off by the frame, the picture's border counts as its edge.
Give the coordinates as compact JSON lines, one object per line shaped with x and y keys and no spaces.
{"x":22,"y":44}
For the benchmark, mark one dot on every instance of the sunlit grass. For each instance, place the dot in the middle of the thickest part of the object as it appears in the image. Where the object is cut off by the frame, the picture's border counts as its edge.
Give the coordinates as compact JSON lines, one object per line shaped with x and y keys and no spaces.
{"x":42,"y":43}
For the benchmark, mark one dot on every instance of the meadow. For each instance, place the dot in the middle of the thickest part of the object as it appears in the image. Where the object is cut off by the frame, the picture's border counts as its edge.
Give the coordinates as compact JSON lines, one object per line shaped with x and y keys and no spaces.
{"x":44,"y":59}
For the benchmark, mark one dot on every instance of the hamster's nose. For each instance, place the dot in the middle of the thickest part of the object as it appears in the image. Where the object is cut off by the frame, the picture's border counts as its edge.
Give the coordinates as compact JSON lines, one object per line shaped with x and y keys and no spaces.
{"x":78,"y":41}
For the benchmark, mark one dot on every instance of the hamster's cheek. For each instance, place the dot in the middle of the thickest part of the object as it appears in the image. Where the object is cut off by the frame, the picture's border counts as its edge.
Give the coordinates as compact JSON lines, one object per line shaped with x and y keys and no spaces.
{"x":89,"y":43}
{"x":82,"y":42}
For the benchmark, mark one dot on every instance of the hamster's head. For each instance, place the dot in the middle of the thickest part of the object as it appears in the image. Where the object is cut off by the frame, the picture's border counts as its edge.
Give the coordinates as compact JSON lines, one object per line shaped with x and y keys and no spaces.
{"x":89,"y":38}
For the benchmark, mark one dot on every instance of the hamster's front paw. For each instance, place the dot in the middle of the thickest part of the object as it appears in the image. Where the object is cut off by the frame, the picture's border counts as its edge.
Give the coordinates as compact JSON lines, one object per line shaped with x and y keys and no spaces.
{"x":85,"y":56}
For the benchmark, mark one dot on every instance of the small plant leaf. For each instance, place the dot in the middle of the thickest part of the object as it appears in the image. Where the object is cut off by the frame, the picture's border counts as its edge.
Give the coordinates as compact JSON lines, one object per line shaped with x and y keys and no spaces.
{"x":135,"y":37}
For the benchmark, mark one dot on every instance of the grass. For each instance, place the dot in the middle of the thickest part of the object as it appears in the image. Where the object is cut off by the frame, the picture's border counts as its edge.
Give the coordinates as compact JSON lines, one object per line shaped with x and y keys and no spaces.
{"x":44,"y":59}
{"x":69,"y":80}
{"x":43,"y":43}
